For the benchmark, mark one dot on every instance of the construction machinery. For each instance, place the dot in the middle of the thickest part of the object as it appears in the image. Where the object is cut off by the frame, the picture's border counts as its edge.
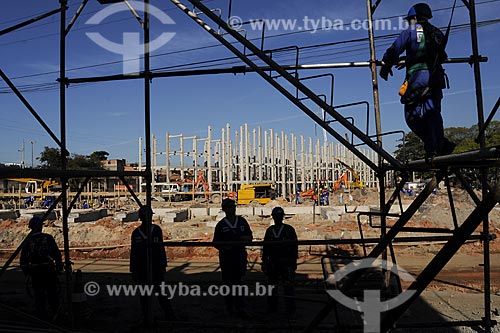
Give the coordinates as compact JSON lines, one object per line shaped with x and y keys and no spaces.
{"x":36,"y":186}
{"x":308,"y":196}
{"x":253,"y":193}
{"x":357,"y":183}
{"x":341,"y":180}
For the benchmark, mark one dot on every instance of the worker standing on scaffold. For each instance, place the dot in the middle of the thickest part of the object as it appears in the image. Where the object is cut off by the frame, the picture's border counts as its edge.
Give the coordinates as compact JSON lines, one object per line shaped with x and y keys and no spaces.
{"x":422,"y":92}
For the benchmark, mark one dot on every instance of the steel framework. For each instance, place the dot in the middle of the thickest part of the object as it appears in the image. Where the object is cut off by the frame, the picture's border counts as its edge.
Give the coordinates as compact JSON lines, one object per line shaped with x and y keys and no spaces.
{"x":442,"y":166}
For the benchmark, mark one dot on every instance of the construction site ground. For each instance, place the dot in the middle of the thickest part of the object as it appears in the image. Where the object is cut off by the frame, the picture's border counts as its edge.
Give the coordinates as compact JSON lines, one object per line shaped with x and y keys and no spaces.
{"x":101,"y":251}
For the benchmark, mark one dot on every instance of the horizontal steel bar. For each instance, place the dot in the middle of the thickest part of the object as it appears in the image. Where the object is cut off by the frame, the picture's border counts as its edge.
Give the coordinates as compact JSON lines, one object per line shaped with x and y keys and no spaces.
{"x":460,"y":159}
{"x":317,"y":242}
{"x":233,"y":70}
{"x":57,"y":173}
{"x":420,"y":229}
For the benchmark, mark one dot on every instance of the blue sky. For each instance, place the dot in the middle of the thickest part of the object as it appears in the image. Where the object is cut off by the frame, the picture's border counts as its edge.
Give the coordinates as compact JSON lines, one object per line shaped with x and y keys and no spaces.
{"x":109,"y":116}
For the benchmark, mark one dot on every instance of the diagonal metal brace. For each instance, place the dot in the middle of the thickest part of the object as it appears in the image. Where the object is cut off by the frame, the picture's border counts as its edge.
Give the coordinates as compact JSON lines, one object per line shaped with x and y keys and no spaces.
{"x":31,"y":109}
{"x":301,"y":87}
{"x":444,"y":255}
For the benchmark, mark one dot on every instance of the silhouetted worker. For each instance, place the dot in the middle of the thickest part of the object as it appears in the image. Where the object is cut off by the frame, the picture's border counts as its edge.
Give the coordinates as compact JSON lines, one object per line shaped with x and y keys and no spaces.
{"x":41,"y":260}
{"x":232,"y":258}
{"x":424,"y":45}
{"x":279,"y":262}
{"x":159,"y":261}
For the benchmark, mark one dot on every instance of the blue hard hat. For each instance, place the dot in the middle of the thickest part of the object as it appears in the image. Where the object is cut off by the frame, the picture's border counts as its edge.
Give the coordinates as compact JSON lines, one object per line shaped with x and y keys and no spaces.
{"x":420,"y":10}
{"x":35,"y":222}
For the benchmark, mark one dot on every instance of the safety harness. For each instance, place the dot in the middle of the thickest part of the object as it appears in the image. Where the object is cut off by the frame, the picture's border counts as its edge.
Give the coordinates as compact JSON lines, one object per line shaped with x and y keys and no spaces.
{"x":429,"y":43}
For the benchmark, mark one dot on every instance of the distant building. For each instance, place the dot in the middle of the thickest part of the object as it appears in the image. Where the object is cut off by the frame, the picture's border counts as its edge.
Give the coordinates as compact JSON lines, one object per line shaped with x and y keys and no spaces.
{"x":114,"y":165}
{"x":114,"y":183}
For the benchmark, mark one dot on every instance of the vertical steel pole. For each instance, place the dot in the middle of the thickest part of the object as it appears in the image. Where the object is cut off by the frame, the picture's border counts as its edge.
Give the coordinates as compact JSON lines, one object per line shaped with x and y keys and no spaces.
{"x":378,"y":123}
{"x":484,"y":172}
{"x":139,"y":164}
{"x":148,"y":172}
{"x":64,"y":157}
{"x":167,"y":154}
{"x":209,"y":159}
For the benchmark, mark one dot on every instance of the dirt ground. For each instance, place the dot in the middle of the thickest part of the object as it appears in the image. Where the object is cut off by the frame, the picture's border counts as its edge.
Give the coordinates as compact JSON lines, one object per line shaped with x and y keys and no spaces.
{"x":101,"y":250}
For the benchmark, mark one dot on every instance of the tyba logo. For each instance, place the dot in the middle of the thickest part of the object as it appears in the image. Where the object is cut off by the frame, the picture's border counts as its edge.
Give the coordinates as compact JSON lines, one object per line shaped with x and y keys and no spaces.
{"x":131,"y":47}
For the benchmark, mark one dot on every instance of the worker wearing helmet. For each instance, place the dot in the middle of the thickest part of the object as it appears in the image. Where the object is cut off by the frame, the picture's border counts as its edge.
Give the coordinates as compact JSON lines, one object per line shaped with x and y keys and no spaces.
{"x":41,"y":260}
{"x":232,"y":258}
{"x":422,"y":92}
{"x":138,"y":262}
{"x":279,"y":262}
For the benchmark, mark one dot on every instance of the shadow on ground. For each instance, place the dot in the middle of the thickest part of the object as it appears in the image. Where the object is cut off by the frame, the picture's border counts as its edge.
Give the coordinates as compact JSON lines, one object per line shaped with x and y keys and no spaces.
{"x":104,"y":313}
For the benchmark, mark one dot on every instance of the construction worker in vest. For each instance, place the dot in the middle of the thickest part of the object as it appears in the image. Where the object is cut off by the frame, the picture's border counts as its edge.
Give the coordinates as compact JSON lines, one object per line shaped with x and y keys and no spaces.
{"x":421,"y":93}
{"x":232,"y":258}
{"x":279,"y":262}
{"x":158,"y":261}
{"x":41,"y":260}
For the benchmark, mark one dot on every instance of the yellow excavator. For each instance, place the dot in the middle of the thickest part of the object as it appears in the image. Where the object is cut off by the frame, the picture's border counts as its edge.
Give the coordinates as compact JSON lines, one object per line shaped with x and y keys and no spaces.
{"x":36,"y":186}
{"x":357,"y":183}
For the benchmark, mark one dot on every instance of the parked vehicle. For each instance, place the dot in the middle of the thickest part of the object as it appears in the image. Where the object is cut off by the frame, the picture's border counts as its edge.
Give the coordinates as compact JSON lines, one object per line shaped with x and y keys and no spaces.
{"x":255,"y":193}
{"x":169,"y":191}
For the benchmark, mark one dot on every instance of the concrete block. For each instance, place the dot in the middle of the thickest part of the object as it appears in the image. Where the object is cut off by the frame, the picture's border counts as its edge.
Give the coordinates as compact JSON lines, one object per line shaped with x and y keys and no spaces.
{"x":9,"y":214}
{"x":160,"y":214}
{"x":29,"y":213}
{"x":331,"y":213}
{"x":120,"y":216}
{"x":265,"y":211}
{"x":363,"y":209}
{"x":198,"y":212}
{"x":87,"y":215}
{"x":214,"y":211}
{"x":302,"y":210}
{"x":181,"y":216}
{"x":245,"y":211}
{"x":168,"y":217}
{"x":132,"y":216}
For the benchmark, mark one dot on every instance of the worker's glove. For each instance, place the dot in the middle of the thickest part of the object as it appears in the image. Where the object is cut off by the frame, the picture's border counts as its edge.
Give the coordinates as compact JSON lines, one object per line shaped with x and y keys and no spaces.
{"x":400,"y":65}
{"x":385,"y":71}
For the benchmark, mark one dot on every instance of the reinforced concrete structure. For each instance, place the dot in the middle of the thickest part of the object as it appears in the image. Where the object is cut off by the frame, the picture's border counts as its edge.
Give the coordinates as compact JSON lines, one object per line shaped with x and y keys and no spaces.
{"x":286,"y":80}
{"x":247,"y":156}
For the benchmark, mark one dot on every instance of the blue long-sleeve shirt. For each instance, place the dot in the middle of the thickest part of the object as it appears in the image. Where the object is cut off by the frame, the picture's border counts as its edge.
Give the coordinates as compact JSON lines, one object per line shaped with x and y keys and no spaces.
{"x":421,"y":42}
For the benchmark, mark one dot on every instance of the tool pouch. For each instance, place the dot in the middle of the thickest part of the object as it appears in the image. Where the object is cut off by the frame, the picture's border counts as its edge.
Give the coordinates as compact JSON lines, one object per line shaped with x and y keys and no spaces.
{"x":403,"y":88}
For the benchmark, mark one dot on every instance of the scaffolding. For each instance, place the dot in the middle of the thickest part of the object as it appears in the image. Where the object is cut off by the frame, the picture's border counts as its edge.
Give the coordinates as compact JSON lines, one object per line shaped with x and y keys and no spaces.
{"x":272,"y":72}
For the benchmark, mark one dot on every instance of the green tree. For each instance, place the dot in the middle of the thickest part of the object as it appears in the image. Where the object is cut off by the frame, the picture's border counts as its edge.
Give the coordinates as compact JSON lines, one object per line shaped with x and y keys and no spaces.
{"x":411,"y":148}
{"x":50,"y":158}
{"x":99,"y":156}
{"x":464,"y":138}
